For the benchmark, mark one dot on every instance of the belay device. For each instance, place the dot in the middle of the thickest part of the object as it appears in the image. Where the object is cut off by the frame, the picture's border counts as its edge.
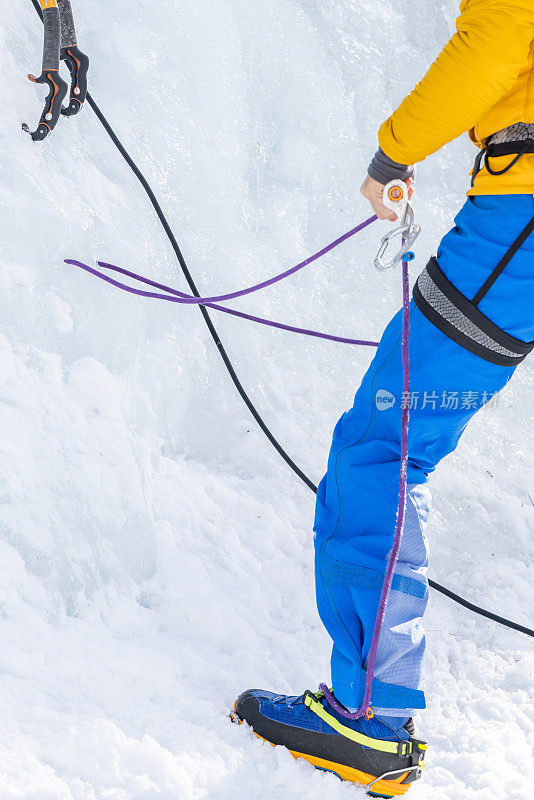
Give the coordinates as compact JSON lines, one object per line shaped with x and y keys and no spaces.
{"x":396,"y":198}
{"x":59,"y":44}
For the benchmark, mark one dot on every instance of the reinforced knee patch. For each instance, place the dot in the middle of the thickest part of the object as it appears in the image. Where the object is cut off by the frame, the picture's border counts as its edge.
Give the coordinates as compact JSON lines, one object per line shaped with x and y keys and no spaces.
{"x":459,"y":319}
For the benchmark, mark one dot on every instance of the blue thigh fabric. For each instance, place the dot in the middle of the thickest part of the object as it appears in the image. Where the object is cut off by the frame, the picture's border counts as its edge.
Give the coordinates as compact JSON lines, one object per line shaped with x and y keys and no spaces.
{"x":357,"y":499}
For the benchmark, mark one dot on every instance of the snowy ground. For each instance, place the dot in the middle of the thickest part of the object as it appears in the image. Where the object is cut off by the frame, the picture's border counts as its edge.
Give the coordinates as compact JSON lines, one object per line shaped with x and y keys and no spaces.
{"x":156,"y":554}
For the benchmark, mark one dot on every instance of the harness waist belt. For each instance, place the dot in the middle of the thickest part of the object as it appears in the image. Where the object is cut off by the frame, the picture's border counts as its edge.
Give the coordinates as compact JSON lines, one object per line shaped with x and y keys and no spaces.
{"x":511,"y":147}
{"x":459,"y":319}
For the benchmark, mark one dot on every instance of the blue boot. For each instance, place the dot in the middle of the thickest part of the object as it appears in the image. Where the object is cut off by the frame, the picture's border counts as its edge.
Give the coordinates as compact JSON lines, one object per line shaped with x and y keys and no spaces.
{"x":365,"y":751}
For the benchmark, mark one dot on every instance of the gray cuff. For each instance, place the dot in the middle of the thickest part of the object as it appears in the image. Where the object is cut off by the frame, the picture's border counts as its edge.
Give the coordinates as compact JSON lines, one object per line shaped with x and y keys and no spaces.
{"x":383,"y":169}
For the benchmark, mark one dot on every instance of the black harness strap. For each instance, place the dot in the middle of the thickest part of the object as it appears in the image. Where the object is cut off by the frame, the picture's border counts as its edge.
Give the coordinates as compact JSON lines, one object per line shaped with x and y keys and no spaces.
{"x":516,"y":149}
{"x":503,"y":263}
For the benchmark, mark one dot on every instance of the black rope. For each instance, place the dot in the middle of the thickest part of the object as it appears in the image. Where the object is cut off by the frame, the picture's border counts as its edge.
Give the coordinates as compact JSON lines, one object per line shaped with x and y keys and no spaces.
{"x":38,"y":8}
{"x":207,"y":319}
{"x":482,"y":611}
{"x":229,"y":366}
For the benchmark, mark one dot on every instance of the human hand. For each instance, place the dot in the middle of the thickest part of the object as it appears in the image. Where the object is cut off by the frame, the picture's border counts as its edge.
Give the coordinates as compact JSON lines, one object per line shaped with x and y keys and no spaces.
{"x":373,"y":191}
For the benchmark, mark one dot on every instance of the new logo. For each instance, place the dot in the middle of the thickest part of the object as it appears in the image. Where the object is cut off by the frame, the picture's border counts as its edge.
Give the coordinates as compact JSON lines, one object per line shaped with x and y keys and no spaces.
{"x":384,"y":400}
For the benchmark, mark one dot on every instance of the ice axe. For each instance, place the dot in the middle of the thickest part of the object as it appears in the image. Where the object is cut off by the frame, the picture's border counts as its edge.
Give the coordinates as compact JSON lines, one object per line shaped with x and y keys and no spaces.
{"x":59,"y":42}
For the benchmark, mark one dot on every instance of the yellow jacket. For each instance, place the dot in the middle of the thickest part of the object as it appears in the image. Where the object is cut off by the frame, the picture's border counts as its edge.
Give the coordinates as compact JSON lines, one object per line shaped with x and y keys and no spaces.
{"x":482,"y":81}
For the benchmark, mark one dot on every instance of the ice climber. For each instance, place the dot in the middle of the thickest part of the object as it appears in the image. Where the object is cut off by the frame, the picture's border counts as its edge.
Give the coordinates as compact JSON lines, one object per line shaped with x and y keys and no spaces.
{"x":472,"y":323}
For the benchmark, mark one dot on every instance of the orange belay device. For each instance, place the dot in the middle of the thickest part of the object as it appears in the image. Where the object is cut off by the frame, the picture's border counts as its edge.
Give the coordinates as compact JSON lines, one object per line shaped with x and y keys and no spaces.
{"x":59,"y":44}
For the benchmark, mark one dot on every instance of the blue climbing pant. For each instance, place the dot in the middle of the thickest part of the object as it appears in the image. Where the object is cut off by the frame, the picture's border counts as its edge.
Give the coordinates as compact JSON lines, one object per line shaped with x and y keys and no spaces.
{"x":357,"y":499}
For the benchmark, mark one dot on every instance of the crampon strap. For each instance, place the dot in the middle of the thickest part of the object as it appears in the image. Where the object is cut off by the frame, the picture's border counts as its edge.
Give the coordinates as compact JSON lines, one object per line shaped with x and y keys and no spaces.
{"x":403,"y":748}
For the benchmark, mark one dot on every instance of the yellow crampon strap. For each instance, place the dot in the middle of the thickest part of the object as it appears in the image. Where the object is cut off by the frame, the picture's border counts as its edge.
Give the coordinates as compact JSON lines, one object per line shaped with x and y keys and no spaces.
{"x":399,"y":748}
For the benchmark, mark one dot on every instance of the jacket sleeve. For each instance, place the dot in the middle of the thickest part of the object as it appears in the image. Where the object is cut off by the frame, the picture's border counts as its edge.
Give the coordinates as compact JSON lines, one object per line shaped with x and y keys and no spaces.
{"x":475,"y":69}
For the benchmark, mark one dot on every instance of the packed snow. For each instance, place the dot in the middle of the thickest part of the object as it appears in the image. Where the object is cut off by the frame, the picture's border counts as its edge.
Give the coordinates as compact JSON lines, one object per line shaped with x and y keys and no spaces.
{"x":156,"y":553}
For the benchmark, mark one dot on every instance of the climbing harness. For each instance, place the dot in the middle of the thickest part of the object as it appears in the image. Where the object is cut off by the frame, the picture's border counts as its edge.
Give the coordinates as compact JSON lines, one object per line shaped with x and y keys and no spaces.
{"x":230,"y":368}
{"x":462,"y":321}
{"x":459,"y":318}
{"x":59,"y":44}
{"x":396,"y":198}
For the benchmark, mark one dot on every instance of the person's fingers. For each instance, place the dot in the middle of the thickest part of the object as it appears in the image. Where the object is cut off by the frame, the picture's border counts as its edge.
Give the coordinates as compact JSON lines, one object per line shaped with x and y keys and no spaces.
{"x":382,"y":212}
{"x":372,"y":191}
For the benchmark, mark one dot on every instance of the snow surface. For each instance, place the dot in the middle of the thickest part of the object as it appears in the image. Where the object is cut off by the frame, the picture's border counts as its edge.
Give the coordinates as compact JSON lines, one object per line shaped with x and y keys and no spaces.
{"x":156,"y":553}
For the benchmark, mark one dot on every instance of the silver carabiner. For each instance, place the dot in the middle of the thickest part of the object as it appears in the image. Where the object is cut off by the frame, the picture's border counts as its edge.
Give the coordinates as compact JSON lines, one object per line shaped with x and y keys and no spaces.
{"x":395,"y":197}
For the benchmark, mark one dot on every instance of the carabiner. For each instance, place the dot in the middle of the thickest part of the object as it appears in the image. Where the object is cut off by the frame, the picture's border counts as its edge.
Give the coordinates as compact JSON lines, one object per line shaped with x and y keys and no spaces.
{"x":396,"y":198}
